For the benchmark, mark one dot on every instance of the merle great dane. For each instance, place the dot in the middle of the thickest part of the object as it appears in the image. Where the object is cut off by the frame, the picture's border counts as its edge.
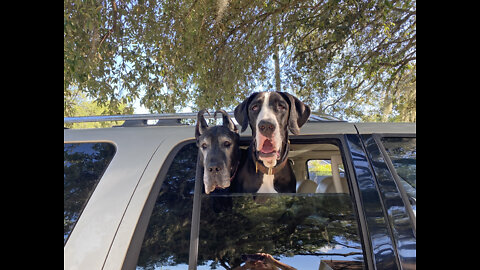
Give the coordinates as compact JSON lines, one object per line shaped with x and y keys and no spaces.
{"x":270,"y":116}
{"x":218,"y":149}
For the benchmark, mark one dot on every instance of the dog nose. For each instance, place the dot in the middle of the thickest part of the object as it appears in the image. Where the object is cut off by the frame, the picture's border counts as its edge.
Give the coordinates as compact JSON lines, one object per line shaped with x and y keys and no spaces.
{"x":214,"y":169}
{"x":266,"y":127}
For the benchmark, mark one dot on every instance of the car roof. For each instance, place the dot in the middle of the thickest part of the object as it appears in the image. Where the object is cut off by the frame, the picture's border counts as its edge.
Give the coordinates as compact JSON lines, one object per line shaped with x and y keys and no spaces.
{"x":137,"y":125}
{"x":186,"y":131}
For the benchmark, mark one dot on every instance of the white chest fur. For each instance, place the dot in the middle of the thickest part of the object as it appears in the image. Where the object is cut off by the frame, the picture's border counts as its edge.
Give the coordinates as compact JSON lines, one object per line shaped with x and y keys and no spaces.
{"x":267,"y":185}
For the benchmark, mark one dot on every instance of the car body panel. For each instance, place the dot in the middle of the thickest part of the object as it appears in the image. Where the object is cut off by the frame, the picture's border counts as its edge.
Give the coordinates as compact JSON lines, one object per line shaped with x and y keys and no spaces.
{"x":139,"y":201}
{"x":89,"y":242}
{"x":119,"y":208}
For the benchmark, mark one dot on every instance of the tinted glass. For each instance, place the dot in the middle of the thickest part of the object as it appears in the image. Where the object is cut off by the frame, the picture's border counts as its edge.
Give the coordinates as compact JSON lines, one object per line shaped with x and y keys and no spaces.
{"x":403,"y":153}
{"x":83,"y":166}
{"x":167,"y":239}
{"x":300,"y":230}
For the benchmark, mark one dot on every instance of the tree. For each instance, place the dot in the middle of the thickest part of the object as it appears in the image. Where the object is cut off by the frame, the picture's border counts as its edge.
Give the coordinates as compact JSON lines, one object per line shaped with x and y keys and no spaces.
{"x":341,"y":57}
{"x":355,"y":52}
{"x":81,"y":106}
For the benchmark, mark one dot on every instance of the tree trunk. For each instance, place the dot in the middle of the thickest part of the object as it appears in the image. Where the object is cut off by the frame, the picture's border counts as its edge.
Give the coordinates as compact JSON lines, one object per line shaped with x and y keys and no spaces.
{"x":387,"y":106}
{"x":276,"y":56}
{"x":277,"y":69}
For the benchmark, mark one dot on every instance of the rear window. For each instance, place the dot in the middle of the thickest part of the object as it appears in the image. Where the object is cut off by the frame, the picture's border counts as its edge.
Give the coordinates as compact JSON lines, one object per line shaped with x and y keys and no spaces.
{"x":312,"y":229}
{"x":403,"y":154}
{"x":83,"y":166}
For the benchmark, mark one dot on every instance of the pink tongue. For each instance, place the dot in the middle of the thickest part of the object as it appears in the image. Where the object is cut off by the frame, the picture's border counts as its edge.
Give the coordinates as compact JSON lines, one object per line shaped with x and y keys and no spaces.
{"x":267,"y":147}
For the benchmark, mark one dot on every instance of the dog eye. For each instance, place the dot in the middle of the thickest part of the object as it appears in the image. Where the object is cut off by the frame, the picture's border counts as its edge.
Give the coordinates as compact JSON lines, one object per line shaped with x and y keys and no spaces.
{"x":254,"y":107}
{"x":282,"y":107}
{"x":227,"y":144}
{"x":204,"y":145}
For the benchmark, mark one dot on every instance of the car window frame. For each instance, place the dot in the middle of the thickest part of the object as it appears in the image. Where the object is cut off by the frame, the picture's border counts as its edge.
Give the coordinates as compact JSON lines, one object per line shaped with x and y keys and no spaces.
{"x":382,"y":251}
{"x":339,"y":140}
{"x":378,"y":139}
{"x":402,"y":235}
{"x":135,"y":246}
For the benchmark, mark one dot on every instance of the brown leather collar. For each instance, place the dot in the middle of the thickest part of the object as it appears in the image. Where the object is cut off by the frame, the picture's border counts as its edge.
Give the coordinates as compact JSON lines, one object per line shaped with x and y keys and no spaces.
{"x":268,"y":170}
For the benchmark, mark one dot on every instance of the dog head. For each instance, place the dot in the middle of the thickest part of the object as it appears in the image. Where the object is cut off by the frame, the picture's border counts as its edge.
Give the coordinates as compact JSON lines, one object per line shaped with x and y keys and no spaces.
{"x":219,"y":149}
{"x":270,"y":116}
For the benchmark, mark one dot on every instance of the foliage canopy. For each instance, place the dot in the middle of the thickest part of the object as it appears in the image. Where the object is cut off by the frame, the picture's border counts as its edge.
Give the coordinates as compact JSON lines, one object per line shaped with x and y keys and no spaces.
{"x":345,"y":58}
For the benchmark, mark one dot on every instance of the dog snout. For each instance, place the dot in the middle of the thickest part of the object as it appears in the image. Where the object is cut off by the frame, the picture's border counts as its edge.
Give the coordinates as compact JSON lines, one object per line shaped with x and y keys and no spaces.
{"x":215,"y":168}
{"x":266,"y":128}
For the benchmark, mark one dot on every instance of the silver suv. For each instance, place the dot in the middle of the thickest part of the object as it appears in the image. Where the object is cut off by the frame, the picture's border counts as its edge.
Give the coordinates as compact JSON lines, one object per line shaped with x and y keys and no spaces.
{"x":129,"y":199}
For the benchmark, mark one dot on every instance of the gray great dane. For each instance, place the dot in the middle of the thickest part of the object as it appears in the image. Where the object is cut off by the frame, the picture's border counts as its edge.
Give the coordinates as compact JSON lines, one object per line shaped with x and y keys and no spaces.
{"x":218,"y":148}
{"x":270,"y":116}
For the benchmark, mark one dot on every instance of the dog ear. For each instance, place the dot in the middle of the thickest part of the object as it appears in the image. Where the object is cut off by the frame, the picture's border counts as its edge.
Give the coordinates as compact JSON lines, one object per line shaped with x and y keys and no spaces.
{"x":227,"y":121}
{"x":241,"y":112}
{"x":299,"y":113}
{"x":201,"y":123}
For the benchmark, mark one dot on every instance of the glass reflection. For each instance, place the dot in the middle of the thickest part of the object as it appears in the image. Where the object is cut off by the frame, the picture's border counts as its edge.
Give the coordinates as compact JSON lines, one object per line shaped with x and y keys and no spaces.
{"x":403,"y":154}
{"x":167,"y":238}
{"x":300,"y":230}
{"x":83,"y":166}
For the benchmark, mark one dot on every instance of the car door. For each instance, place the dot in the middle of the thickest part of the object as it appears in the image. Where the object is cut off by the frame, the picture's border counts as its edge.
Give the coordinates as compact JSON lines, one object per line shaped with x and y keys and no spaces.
{"x":180,"y":227}
{"x":391,"y":150}
{"x":90,"y":231}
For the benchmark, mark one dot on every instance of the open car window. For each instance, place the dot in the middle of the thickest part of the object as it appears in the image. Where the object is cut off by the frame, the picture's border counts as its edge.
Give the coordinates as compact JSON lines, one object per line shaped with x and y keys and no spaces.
{"x":313,"y":228}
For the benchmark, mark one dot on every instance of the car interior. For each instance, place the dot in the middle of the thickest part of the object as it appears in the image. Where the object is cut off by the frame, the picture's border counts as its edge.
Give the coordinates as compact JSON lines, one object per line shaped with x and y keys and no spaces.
{"x":306,"y":159}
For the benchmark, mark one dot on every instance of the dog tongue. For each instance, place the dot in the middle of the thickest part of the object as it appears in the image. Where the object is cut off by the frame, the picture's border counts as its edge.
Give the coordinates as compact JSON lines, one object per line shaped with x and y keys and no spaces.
{"x":267,"y":147}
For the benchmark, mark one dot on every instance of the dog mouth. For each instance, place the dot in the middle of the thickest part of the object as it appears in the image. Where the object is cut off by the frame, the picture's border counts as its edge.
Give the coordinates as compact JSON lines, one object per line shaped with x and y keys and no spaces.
{"x":216,"y":181}
{"x":210,"y":187}
{"x":267,"y":149}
